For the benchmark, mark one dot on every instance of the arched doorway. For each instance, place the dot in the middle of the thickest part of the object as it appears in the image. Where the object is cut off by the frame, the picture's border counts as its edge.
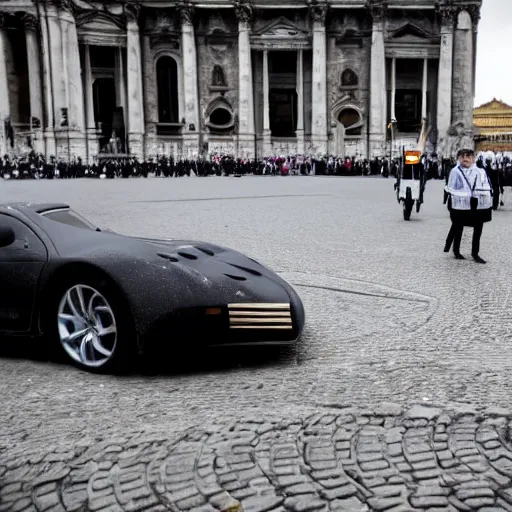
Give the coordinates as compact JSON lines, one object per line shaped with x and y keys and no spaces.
{"x":167,"y":84}
{"x":104,"y":99}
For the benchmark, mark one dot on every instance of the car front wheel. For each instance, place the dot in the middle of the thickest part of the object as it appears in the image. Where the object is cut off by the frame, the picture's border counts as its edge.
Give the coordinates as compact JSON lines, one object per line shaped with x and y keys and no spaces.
{"x":92,"y":326}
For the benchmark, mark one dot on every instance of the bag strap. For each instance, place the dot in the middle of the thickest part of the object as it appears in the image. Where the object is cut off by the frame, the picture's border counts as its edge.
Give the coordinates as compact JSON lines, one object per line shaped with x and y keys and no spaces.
{"x":472,"y":188}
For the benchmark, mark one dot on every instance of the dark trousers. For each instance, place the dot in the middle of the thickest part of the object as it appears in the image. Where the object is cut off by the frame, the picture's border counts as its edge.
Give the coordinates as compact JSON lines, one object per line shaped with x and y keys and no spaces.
{"x":455,"y":237}
{"x":496,"y":199}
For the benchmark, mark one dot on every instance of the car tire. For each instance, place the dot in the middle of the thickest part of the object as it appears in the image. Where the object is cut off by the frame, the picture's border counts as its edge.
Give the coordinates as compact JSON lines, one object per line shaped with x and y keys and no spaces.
{"x":89,"y":324}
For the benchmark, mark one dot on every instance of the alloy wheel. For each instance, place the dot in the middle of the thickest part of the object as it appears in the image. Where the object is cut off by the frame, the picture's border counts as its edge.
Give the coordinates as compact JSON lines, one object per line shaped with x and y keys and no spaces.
{"x":87,"y":326}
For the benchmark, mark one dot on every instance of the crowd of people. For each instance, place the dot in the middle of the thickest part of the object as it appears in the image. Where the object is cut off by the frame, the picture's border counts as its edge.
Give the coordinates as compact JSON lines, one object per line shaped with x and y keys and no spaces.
{"x":34,"y":166}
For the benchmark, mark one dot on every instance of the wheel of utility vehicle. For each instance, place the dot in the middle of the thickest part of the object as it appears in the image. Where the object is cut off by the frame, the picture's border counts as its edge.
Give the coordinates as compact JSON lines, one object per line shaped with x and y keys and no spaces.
{"x":407,"y":210}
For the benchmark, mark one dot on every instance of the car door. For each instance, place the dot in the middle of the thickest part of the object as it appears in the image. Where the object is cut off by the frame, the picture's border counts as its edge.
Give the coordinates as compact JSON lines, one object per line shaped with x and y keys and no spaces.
{"x":21,"y":264}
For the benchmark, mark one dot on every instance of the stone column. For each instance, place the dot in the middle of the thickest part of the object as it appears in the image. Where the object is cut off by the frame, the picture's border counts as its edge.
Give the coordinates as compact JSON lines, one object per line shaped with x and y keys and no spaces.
{"x":190,"y":91}
{"x":121,"y":89}
{"x":135,"y":98}
{"x":445,"y":76}
{"x":90,"y":125}
{"x":48,"y":123}
{"x":474,"y":12}
{"x":74,"y":90}
{"x":151,"y":98}
{"x":34,"y":76}
{"x":462,"y":101}
{"x":120,"y":82}
{"x":267,"y":144}
{"x":300,"y":102}
{"x":318,"y":12}
{"x":424,"y":90}
{"x":377,"y":135}
{"x":393,"y":89}
{"x":246,"y":139}
{"x":5,"y":109}
{"x":89,"y":101}
{"x":58,"y":82}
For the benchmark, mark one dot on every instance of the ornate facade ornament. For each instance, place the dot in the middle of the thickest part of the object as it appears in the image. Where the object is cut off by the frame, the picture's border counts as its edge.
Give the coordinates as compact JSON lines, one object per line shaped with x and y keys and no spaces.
{"x":377,"y":10}
{"x":186,"y":10}
{"x":64,"y":5}
{"x":446,"y":14}
{"x":318,"y":10}
{"x":29,"y":21}
{"x":132,"y":11}
{"x":244,"y":11}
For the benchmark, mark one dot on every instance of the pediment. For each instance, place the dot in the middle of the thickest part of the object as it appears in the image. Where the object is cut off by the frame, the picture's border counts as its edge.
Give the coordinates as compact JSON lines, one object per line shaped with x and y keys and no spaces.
{"x":99,"y":21}
{"x":493,"y":106}
{"x":281,"y":27}
{"x":409,"y":30}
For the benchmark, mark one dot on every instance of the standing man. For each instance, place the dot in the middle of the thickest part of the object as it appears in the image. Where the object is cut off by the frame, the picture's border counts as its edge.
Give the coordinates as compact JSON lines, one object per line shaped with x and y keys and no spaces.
{"x":470,"y":202}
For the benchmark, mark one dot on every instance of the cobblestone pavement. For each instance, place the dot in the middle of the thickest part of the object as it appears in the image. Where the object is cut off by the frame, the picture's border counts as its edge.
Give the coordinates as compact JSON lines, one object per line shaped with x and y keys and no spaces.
{"x":395,"y":399}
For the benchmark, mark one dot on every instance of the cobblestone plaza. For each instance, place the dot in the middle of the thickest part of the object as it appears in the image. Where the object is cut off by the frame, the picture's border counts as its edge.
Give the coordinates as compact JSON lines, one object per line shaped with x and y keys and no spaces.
{"x":397,"y":397}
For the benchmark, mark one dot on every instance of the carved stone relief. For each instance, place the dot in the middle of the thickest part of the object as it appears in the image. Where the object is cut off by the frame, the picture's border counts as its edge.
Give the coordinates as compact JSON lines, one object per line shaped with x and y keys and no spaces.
{"x":186,"y":10}
{"x":216,"y":23}
{"x":317,"y":10}
{"x":218,"y":53}
{"x":244,"y":11}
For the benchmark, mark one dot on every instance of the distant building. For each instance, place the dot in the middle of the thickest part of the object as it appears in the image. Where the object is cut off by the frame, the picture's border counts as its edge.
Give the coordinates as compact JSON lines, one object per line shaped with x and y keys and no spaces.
{"x":493,"y":122}
{"x":251,"y":79}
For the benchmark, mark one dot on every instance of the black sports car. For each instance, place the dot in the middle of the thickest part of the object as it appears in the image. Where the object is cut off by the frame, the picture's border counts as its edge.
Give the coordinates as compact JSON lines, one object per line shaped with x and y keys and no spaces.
{"x":101,"y":297}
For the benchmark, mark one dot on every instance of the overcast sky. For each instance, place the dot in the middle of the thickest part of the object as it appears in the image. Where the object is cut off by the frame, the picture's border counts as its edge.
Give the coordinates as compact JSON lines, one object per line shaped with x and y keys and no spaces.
{"x":494,"y":52}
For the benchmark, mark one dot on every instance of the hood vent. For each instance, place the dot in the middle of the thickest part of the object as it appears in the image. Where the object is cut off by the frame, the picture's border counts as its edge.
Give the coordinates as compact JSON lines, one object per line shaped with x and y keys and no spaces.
{"x":169,"y":257}
{"x":205,"y":250}
{"x":236,"y":278}
{"x":262,"y":316}
{"x":246,"y":269}
{"x":187,"y":255}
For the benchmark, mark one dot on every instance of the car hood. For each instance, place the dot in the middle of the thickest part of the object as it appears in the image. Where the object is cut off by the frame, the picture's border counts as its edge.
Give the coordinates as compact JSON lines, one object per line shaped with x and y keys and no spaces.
{"x":212,"y":263}
{"x":196,"y":270}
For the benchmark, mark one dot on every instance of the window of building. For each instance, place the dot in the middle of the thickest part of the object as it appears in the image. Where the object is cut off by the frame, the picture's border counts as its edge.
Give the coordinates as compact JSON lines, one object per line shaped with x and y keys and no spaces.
{"x":167,"y":83}
{"x":102,"y":56}
{"x":349,"y":117}
{"x":349,"y":78}
{"x":220,"y":116}
{"x":282,"y":62}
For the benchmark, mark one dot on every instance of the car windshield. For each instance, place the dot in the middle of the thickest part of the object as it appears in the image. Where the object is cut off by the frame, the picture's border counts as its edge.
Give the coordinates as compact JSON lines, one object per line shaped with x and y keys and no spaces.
{"x":70,"y":218}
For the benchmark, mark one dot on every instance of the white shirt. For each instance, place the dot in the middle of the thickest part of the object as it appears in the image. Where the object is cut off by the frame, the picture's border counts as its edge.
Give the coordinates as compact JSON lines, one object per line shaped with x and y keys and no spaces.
{"x":466,"y":183}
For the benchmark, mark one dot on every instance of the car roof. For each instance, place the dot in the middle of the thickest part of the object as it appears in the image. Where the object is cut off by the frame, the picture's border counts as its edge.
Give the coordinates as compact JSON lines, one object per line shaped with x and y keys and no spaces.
{"x":37,"y":207}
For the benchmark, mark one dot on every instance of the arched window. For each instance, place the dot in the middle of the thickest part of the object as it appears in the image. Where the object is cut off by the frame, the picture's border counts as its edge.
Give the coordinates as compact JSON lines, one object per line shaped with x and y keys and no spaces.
{"x":167,"y":82}
{"x":349,"y":78}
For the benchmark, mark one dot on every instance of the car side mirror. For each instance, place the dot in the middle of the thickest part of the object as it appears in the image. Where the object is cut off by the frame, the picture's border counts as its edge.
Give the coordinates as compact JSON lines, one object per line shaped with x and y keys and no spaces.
{"x":7,"y":236}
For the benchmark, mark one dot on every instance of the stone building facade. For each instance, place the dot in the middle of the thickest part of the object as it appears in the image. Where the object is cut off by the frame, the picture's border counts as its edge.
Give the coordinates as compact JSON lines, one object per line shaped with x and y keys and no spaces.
{"x":344,"y":77}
